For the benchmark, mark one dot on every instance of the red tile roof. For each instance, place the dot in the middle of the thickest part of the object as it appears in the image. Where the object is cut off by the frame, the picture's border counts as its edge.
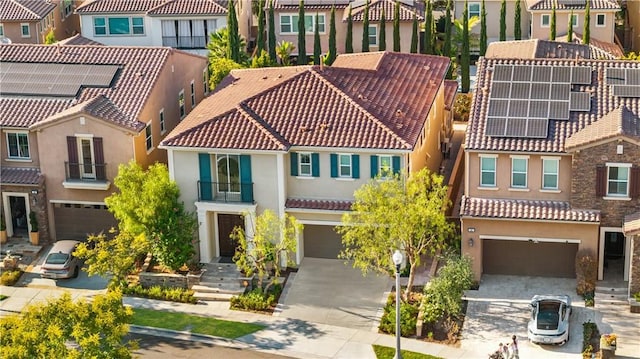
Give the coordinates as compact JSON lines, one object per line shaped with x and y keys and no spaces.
{"x":20,"y":175}
{"x":632,"y":224}
{"x":544,"y":49}
{"x":525,"y":210}
{"x":560,"y":5}
{"x":329,"y":205}
{"x":336,"y":106}
{"x":78,"y":40}
{"x":189,"y":7}
{"x":619,"y":122}
{"x":450,"y":91}
{"x":25,"y":10}
{"x":118,"y":6}
{"x":407,"y":11}
{"x":292,"y":5}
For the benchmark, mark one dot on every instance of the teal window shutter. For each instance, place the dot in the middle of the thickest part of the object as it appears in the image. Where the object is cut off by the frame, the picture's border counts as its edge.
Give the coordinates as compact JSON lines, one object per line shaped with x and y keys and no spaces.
{"x":206,"y":193}
{"x":334,"y":165}
{"x":355,"y":166}
{"x":315,"y":165}
{"x":294,"y":163}
{"x":395,"y":162}
{"x":246,"y":184}
{"x":374,"y":166}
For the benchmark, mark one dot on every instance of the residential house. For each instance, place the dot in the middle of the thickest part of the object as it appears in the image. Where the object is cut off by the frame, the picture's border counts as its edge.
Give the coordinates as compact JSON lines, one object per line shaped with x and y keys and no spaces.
{"x":69,"y":115}
{"x":541,"y":49}
{"x":29,"y":21}
{"x":633,"y":24}
{"x":552,"y":166}
{"x":181,"y":24}
{"x":300,"y":140}
{"x":492,"y":8}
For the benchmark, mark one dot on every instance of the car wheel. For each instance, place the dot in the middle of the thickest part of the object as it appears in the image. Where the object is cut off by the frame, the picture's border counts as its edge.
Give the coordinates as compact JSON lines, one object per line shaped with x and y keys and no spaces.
{"x":75,"y":272}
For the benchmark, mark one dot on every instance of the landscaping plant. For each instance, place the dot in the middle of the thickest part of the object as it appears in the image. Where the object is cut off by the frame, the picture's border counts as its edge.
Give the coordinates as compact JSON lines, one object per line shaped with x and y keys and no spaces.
{"x":442,"y":298}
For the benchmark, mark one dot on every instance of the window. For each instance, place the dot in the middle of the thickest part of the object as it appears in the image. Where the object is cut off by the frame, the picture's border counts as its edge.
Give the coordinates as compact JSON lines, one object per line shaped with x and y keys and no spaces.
{"x":474,"y":10}
{"x":118,"y":26}
{"x":228,"y":171}
{"x":148,"y":137}
{"x":618,"y":180}
{"x":487,"y":171}
{"x":574,"y":20}
{"x":205,"y":81}
{"x":344,"y":165}
{"x":289,"y":24}
{"x":519,"y":172}
{"x":25,"y":30}
{"x":18,"y":145}
{"x":550,"y":167}
{"x":385,"y":166}
{"x":305,"y":165}
{"x":1,"y":30}
{"x":373,"y":35}
{"x":181,"y":103}
{"x":601,"y":20}
{"x":545,"y":20}
{"x":86,"y":158}
{"x":163,"y":127}
{"x":138,"y":25}
{"x":99,"y":26}
{"x":85,"y":150}
{"x":67,"y":7}
{"x":193,"y":95}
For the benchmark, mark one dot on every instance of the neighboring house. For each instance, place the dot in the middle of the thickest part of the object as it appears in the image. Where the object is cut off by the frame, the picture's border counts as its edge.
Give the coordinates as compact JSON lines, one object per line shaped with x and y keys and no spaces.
{"x":545,"y":49}
{"x":181,"y":24}
{"x":493,"y":17}
{"x":29,"y":21}
{"x":300,"y":140}
{"x":553,"y":166}
{"x":633,"y":24}
{"x":69,"y":115}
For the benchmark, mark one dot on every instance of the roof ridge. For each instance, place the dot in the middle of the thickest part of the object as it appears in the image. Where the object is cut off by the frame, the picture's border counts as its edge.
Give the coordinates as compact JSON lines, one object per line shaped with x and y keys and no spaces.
{"x":26,"y":8}
{"x":160,"y":6}
{"x":246,"y":111}
{"x":357,"y":105}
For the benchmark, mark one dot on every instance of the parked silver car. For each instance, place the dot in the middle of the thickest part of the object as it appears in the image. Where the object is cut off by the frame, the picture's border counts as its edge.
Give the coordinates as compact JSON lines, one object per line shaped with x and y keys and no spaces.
{"x":60,"y":262}
{"x":549,"y":323}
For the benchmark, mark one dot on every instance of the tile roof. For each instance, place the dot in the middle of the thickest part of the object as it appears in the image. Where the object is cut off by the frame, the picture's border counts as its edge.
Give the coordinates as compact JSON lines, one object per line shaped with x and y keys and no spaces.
{"x":336,"y":106}
{"x":292,"y":5}
{"x":407,"y":11}
{"x":602,"y":103}
{"x":319,"y":204}
{"x":600,"y":49}
{"x":450,"y":91}
{"x":632,"y":224}
{"x":526,"y":210}
{"x":619,"y":122}
{"x":545,"y":49}
{"x":25,"y":10}
{"x":567,"y":5}
{"x":118,"y":6}
{"x":189,"y":7}
{"x":129,"y":91}
{"x":78,"y":40}
{"x":20,"y":175}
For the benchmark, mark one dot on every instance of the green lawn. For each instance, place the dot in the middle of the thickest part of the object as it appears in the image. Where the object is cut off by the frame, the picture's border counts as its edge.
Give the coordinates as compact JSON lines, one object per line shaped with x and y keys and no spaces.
{"x":192,"y":323}
{"x":388,"y":353}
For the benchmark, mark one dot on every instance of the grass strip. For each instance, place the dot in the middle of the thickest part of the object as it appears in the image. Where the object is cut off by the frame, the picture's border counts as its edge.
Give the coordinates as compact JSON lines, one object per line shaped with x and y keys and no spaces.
{"x":193,"y":323}
{"x":389,"y":353}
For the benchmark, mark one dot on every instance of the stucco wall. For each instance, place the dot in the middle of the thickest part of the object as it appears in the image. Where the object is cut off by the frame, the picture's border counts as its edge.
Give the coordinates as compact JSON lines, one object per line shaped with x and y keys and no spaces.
{"x":605,"y":33}
{"x":86,"y":24}
{"x":65,"y":26}
{"x":33,"y":162}
{"x":13,"y":30}
{"x":493,"y":18}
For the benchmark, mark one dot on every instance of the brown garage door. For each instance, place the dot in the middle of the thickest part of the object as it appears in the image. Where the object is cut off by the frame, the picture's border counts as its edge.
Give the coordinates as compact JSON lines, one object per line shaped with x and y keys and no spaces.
{"x":321,"y":242}
{"x":76,"y":221}
{"x":528,"y":258}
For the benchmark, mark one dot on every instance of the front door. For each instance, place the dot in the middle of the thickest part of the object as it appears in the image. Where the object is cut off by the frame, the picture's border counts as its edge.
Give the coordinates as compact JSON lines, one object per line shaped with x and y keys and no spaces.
{"x":614,"y":256}
{"x":226,"y":224}
{"x":19,"y":216}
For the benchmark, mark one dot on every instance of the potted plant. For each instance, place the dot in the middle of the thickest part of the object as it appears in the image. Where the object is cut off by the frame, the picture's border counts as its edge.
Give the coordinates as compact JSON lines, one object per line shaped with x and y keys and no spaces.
{"x":608,"y":342}
{"x":34,"y":235}
{"x":3,"y":229}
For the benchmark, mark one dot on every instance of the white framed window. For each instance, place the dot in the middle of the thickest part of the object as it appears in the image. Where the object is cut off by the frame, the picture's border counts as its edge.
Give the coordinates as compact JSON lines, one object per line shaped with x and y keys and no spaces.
{"x":118,"y":25}
{"x":289,"y":23}
{"x":1,"y":29}
{"x":66,"y":8}
{"x":550,"y":172}
{"x":545,"y":20}
{"x":305,"y":164}
{"x":519,"y":172}
{"x":574,"y":20}
{"x":163,"y":126}
{"x":86,"y":157}
{"x":601,"y":20}
{"x":474,"y":9}
{"x":205,"y":81}
{"x":488,"y":171}
{"x":148,"y":137}
{"x":18,"y":145}
{"x":181,"y":104}
{"x":193,"y":95}
{"x":25,"y":30}
{"x":618,"y":179}
{"x":344,"y":165}
{"x":228,"y":173}
{"x":373,"y":35}
{"x":385,"y":166}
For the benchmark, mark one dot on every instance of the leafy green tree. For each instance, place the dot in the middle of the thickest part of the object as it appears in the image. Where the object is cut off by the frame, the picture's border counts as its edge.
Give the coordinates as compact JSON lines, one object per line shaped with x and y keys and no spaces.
{"x":274,"y":239}
{"x":348,"y":43}
{"x":427,"y":47}
{"x":414,"y":35}
{"x":443,"y":296}
{"x":396,"y":27}
{"x":396,"y":214}
{"x":284,"y":51}
{"x":586,"y":33}
{"x":233,"y":51}
{"x":333,"y":49}
{"x":272,"y":32}
{"x":570,"y":31}
{"x":148,"y":203}
{"x":483,"y":30}
{"x":219,"y":44}
{"x":466,"y":56}
{"x":262,"y":60}
{"x":219,"y":68}
{"x":365,"y":28}
{"x":317,"y":49}
{"x":50,"y":38}
{"x":61,"y":328}
{"x":302,"y":34}
{"x":631,"y":56}
{"x":552,"y":35}
{"x":503,"y":20}
{"x":260,"y":39}
{"x":517,"y":25}
{"x":382,"y":45}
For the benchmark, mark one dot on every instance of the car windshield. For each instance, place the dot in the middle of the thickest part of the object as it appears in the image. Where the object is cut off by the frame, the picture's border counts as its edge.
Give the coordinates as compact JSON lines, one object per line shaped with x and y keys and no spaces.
{"x":548,"y":315}
{"x":57,"y":258}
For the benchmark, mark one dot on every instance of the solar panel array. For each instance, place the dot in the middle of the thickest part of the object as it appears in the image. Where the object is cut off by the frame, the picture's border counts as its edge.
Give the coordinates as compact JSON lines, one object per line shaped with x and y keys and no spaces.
{"x":48,"y":79}
{"x":524,"y":98}
{"x":625,"y":82}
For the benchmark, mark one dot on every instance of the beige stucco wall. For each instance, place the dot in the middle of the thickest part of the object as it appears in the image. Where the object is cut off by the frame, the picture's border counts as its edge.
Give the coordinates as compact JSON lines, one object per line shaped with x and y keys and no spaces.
{"x":34,"y":161}
{"x":405,"y":36}
{"x":493,"y":18}
{"x":13,"y":31}
{"x":427,"y":152}
{"x":605,"y":33}
{"x":503,"y":178}
{"x":65,"y":27}
{"x":586,"y":233}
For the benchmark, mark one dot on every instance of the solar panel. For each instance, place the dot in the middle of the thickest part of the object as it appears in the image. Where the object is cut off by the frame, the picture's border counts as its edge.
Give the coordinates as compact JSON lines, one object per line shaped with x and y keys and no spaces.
{"x":516,"y":127}
{"x":537,"y":128}
{"x":561,"y":74}
{"x":496,"y":126}
{"x":502,"y":73}
{"x":615,"y":76}
{"x":501,"y":90}
{"x":633,"y":77}
{"x":540,"y":91}
{"x":518,"y":108}
{"x":498,"y":107}
{"x":580,"y":101}
{"x":581,"y":75}
{"x":541,"y":74}
{"x":626,"y":91}
{"x":559,"y":110}
{"x":539,"y":109}
{"x":560,"y":92}
{"x":522,"y":73}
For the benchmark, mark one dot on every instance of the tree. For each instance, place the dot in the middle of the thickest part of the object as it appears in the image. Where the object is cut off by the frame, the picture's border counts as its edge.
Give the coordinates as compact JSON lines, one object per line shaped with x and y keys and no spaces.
{"x":382,"y":46}
{"x":396,"y":214}
{"x":94,"y":329}
{"x":333,"y":49}
{"x":503,"y":20}
{"x":348,"y":43}
{"x":219,"y":69}
{"x":570,"y":28}
{"x":262,"y":60}
{"x":233,"y":51}
{"x":260,"y":40}
{"x":50,"y":38}
{"x":273,"y":240}
{"x":427,"y":47}
{"x":586,"y":33}
{"x":443,"y":296}
{"x":219,"y":44}
{"x":552,"y":36}
{"x":631,"y":56}
{"x":284,"y":51}
{"x":317,"y":49}
{"x":483,"y":30}
{"x":459,"y":38}
{"x":446,"y":49}
{"x":272,"y":32}
{"x":414,"y":35}
{"x":365,"y":28}
{"x":148,"y":203}
{"x":466,"y":56}
{"x":396,"y":27}
{"x":302,"y":34}
{"x":517,"y":25}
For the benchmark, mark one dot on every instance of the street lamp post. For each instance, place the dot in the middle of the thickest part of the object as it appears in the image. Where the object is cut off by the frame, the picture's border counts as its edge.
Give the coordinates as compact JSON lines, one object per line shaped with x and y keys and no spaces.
{"x":397,"y":260}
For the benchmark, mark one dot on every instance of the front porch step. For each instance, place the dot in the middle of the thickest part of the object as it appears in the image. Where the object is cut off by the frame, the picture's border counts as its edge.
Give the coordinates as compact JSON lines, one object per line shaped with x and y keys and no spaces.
{"x":213,"y":297}
{"x":612,"y":295}
{"x":229,"y":289}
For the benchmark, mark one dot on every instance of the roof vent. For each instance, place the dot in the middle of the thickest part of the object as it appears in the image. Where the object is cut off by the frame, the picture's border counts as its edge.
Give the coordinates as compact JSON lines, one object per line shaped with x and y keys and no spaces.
{"x":399,"y":113}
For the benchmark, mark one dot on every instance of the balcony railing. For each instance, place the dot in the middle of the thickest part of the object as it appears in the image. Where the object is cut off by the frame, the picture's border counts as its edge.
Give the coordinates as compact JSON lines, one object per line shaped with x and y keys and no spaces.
{"x":225,"y":192}
{"x":85,"y":171}
{"x":185,"y":42}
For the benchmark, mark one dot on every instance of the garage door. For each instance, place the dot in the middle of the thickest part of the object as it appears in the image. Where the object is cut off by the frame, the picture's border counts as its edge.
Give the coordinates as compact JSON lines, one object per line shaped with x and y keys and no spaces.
{"x":529,"y":258}
{"x":75,"y":221}
{"x":321,"y":242}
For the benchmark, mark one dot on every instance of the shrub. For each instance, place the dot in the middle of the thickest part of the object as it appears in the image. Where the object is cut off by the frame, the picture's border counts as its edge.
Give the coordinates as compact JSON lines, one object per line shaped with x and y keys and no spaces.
{"x":589,"y":299}
{"x":257,"y":299}
{"x":180,"y":295}
{"x":443,"y":294}
{"x":10,"y":277}
{"x":408,"y":319}
{"x":462,"y":107}
{"x":637,"y":297}
{"x":586,"y":272}
{"x":590,"y":338}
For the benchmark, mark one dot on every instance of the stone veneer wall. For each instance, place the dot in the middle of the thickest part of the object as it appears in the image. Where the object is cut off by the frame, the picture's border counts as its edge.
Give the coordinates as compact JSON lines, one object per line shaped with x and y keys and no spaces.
{"x":634,"y":273}
{"x":583,"y":183}
{"x":38,"y":204}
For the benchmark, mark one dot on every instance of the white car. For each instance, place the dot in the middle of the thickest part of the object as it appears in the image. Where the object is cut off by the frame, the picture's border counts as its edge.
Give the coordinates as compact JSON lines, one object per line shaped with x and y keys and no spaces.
{"x":549,"y":323}
{"x":60,"y":262}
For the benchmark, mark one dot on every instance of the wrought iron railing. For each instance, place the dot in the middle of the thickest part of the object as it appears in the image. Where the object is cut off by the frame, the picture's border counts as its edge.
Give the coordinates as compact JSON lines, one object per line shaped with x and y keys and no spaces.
{"x":225,"y":192}
{"x":85,"y":171}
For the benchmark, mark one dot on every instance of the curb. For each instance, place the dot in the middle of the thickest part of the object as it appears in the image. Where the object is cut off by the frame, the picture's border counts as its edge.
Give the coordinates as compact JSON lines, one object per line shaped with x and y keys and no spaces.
{"x":185,"y":335}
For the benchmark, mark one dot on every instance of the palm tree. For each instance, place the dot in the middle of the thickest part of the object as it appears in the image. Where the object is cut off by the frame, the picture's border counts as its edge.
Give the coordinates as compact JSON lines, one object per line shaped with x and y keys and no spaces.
{"x":459,"y":38}
{"x":219,"y":45}
{"x":284,"y":51}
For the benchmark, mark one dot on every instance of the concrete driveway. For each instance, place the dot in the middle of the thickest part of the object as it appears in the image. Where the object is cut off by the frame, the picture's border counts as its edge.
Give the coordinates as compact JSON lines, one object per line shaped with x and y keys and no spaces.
{"x":328,"y":291}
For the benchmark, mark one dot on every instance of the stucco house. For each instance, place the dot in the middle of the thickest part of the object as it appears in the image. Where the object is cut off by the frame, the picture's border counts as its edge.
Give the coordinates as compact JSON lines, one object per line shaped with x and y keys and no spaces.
{"x":300,"y":140}
{"x":69,"y":115}
{"x":29,"y":21}
{"x":553,"y":166}
{"x":542,"y":49}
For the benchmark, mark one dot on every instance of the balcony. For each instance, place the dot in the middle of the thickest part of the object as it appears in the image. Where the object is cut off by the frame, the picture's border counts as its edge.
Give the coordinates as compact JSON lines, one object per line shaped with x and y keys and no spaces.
{"x":225,"y":192}
{"x":92,"y":176}
{"x":185,"y":42}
